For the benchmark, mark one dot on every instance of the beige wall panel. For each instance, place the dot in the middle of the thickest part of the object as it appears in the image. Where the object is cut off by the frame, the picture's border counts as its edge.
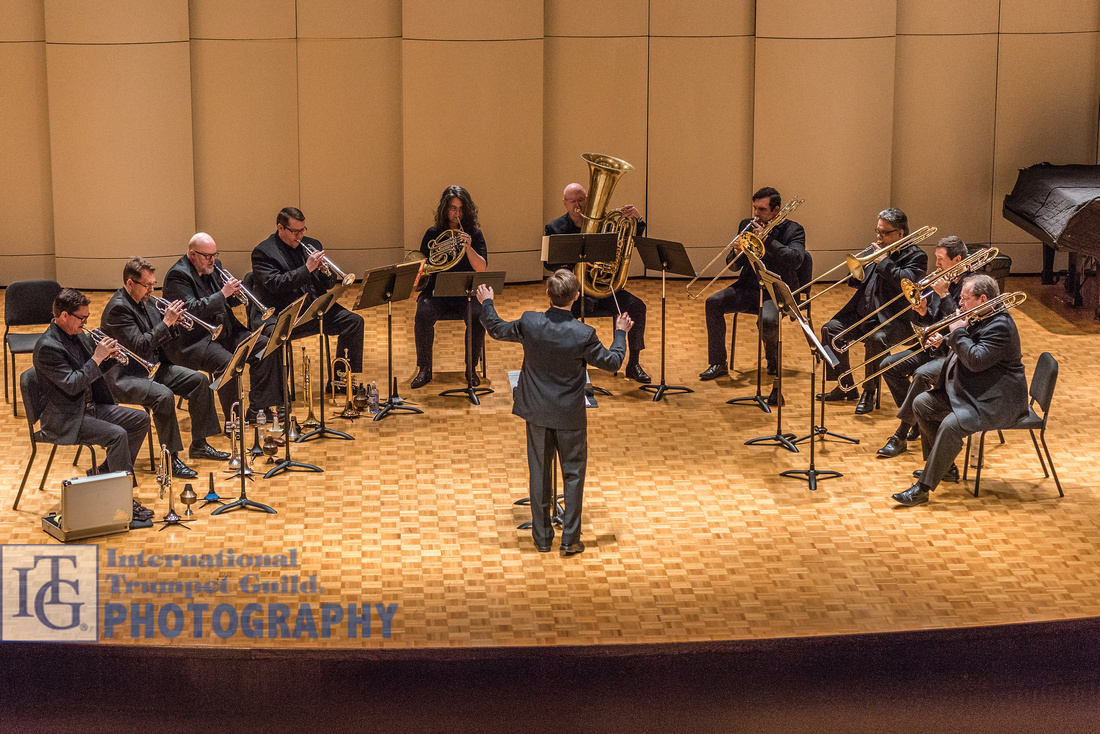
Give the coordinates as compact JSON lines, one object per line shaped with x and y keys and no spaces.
{"x":943,"y":133}
{"x":349,"y":18}
{"x":603,"y":19}
{"x":246,"y":141}
{"x":242,"y":19}
{"x":490,"y":140}
{"x":120,"y":144}
{"x":700,"y":140}
{"x":27,"y":244}
{"x":1066,"y":16}
{"x":116,"y":21}
{"x":351,"y":149}
{"x":24,"y":20}
{"x":947,"y":17}
{"x":705,"y":18}
{"x":472,"y":20}
{"x":836,"y":19}
{"x":827,"y":137}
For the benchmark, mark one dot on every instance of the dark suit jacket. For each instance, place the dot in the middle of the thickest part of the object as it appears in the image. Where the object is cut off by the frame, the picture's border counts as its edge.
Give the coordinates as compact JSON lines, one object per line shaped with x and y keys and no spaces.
{"x":202,"y":296}
{"x":279,"y":281}
{"x":911,"y":263}
{"x":984,"y":376}
{"x":564,"y":225}
{"x":784,"y":250}
{"x":65,"y":372}
{"x":556,"y":348}
{"x":122,"y":320}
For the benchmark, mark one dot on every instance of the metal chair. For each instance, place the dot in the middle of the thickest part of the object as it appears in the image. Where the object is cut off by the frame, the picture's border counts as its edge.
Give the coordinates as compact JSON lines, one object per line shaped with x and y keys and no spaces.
{"x":1041,"y":392}
{"x":26,"y":303}
{"x":33,"y":405}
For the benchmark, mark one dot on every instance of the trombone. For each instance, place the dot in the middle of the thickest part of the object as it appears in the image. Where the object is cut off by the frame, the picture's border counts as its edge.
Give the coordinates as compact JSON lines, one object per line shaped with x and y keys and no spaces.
{"x":922,"y":333}
{"x":121,"y":354}
{"x":858,"y":263}
{"x":265,"y":311}
{"x":917,"y":292}
{"x":328,"y":267}
{"x":187,"y":320}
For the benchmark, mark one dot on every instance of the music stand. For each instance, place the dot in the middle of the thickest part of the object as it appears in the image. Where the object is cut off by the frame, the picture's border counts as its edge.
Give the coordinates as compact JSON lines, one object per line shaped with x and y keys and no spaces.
{"x":757,"y":399}
{"x":581,"y":249}
{"x":385,"y":285}
{"x":668,"y":257}
{"x":777,"y":289}
{"x":451,"y":284}
{"x":317,"y":310}
{"x":233,"y":370}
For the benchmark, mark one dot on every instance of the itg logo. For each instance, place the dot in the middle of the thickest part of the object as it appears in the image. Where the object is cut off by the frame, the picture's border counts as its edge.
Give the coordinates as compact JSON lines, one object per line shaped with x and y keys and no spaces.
{"x":49,"y":593}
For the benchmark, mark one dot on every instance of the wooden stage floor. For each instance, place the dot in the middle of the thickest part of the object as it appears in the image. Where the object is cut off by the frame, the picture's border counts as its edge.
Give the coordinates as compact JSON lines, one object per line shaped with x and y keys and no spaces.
{"x":691,"y":535}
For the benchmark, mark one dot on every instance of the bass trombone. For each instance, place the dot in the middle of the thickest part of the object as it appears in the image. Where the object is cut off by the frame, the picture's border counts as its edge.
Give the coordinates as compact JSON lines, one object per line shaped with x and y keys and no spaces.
{"x":328,"y":267}
{"x":265,"y":311}
{"x":121,"y":354}
{"x":187,"y":320}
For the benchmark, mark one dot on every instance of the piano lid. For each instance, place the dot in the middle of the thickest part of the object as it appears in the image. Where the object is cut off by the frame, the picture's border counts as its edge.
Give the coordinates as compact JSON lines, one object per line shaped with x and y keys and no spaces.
{"x":1060,"y":205}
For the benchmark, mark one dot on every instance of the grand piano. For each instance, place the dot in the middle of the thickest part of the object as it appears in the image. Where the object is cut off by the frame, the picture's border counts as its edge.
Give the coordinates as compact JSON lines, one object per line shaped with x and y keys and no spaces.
{"x":1060,"y":206}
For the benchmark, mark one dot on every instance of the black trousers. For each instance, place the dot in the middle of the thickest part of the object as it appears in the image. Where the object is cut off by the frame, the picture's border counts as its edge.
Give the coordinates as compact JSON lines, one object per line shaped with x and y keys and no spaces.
{"x":266,"y":375}
{"x":900,"y":368}
{"x":429,"y":310}
{"x":629,"y":303}
{"x":740,"y":300}
{"x":941,"y":436}
{"x":347,"y":325}
{"x":118,"y":429}
{"x":571,"y":448}
{"x":159,"y":396}
{"x":924,"y":377}
{"x":874,"y":344}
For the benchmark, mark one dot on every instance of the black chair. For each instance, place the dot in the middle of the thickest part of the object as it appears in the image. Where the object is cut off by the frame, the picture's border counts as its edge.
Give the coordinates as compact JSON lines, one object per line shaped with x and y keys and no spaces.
{"x":33,"y":405}
{"x":805,"y":275}
{"x":26,"y":303}
{"x":1041,"y":392}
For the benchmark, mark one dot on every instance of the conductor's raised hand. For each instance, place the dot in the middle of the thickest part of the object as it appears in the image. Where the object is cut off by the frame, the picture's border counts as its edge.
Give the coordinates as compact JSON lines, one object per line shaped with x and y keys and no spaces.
{"x":624,"y":322}
{"x":484,"y":293}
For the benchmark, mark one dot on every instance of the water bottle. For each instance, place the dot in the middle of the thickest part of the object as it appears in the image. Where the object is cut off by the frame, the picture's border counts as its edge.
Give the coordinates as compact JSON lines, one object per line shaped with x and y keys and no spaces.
{"x":372,"y":397}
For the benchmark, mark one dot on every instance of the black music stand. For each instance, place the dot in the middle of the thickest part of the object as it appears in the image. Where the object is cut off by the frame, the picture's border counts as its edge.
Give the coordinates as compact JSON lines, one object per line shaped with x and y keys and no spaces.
{"x":386,"y":285}
{"x":450,"y":284}
{"x":317,"y":310}
{"x":757,"y":399}
{"x":668,"y":257}
{"x":233,"y":370}
{"x":581,"y":248}
{"x":284,"y":325}
{"x":777,"y":289}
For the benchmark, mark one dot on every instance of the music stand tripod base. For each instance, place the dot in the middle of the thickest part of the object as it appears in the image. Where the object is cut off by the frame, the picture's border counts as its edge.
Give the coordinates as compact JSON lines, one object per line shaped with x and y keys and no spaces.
{"x":659,"y":391}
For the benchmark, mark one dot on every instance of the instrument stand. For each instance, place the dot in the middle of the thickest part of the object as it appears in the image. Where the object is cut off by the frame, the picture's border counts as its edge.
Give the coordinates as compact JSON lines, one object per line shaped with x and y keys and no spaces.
{"x":384,"y":285}
{"x":450,"y":284}
{"x":327,"y":301}
{"x":780,"y":438}
{"x":758,"y":399}
{"x":813,"y":473}
{"x":820,"y":429}
{"x":667,"y":257}
{"x":211,"y":496}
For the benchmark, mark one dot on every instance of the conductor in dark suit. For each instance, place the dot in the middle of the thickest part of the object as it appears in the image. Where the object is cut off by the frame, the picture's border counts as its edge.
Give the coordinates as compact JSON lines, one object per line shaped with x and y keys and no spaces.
{"x":79,"y":407}
{"x":982,"y":387}
{"x":550,"y":397}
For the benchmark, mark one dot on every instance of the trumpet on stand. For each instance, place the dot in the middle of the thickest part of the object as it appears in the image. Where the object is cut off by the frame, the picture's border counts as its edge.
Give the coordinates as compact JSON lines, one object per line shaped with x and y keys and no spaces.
{"x":317,"y":428}
{"x":235,"y":427}
{"x":164,"y":479}
{"x":311,"y":421}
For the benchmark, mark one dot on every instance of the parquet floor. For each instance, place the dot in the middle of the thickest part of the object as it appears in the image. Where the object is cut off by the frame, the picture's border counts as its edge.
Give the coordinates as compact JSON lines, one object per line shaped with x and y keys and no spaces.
{"x":691,"y":534}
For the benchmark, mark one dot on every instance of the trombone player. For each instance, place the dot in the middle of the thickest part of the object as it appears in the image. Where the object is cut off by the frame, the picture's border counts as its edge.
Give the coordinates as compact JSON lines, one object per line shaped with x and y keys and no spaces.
{"x":131,"y":318}
{"x":784,"y":250}
{"x":880,"y":284}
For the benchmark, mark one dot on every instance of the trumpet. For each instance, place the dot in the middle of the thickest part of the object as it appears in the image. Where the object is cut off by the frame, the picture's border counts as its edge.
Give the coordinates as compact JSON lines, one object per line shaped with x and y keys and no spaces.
{"x":311,"y":421}
{"x":349,"y":410}
{"x":328,"y":267}
{"x":264,"y":310}
{"x":187,"y":320}
{"x":121,"y":354}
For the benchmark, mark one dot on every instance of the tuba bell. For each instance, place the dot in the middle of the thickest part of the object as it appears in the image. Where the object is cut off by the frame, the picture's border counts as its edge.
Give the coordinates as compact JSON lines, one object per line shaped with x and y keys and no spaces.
{"x":601,"y":278}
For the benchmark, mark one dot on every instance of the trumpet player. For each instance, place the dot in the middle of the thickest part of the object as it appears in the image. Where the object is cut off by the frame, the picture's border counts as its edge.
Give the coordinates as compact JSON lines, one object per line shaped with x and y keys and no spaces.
{"x":284,"y":270}
{"x":209,"y":292}
{"x":881,"y":282}
{"x":131,"y":318}
{"x":982,"y":387}
{"x":784,"y":251}
{"x":79,"y":407}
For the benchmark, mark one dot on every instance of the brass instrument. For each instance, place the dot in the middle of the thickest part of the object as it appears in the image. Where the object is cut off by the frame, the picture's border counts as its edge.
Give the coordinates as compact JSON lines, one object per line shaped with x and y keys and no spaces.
{"x":187,"y":320}
{"x":599,"y":279}
{"x":922,"y":333}
{"x":311,"y":421}
{"x":164,"y":472}
{"x":328,"y":267}
{"x":121,"y":354}
{"x":264,"y":310}
{"x":857,"y":263}
{"x":232,"y":425}
{"x":349,"y":410}
{"x":917,"y":292}
{"x":747,"y":242}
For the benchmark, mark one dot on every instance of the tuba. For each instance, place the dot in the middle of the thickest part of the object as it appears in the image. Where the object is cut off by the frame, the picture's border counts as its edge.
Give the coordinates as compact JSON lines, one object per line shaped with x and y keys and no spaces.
{"x":601,"y":278}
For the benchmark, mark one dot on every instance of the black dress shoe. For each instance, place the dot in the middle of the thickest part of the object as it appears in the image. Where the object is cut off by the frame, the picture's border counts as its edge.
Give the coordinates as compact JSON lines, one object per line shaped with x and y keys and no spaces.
{"x":914,"y":433}
{"x":838,"y":393}
{"x":473,"y":379}
{"x":952,"y":474}
{"x":636,"y":373}
{"x":181,"y":470}
{"x":542,"y":548}
{"x":772,"y":369}
{"x":894,"y":447}
{"x":423,"y":377}
{"x":866,"y":402}
{"x":714,"y":372}
{"x":101,"y":469}
{"x":206,"y":451}
{"x":775,"y":398}
{"x":572,"y":549}
{"x":915,"y":495}
{"x":142,"y":514}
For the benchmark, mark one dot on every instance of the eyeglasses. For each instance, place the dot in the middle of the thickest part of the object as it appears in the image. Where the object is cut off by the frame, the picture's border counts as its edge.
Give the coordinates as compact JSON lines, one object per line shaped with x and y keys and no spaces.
{"x":81,"y":319}
{"x":207,"y":255}
{"x":884,"y":232}
{"x":146,"y":286}
{"x":294,"y":232}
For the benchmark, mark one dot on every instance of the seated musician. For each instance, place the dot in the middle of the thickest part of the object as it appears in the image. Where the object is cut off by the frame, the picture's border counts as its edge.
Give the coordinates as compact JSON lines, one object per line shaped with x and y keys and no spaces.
{"x":79,"y":407}
{"x":285,"y":269}
{"x":982,"y":387}
{"x":922,"y":365}
{"x":210,"y":292}
{"x":881,"y":283}
{"x":784,"y":249}
{"x":456,"y":211}
{"x":575,"y":198}
{"x":144,"y":328}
